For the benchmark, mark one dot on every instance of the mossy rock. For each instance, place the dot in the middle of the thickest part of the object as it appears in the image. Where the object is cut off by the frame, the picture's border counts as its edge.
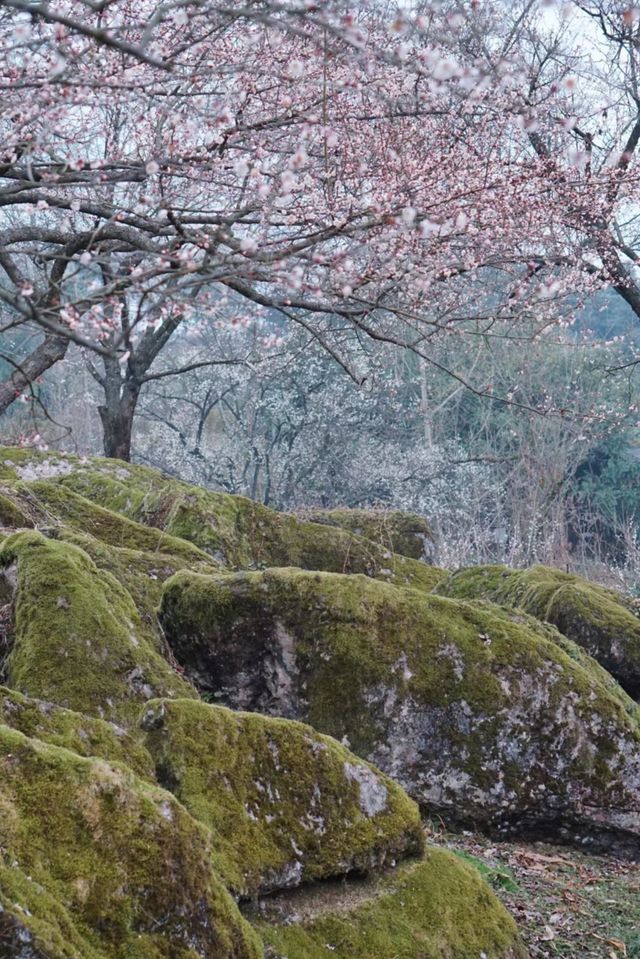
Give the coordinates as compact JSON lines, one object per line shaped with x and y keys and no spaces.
{"x":78,"y":640}
{"x":240,"y":533}
{"x":142,"y":573}
{"x":479,"y":715}
{"x":81,"y":734}
{"x":438,"y":908}
{"x":12,"y":513}
{"x":406,"y":534}
{"x":548,"y":632}
{"x":140,"y":557}
{"x":603,"y":622}
{"x":97,"y":864}
{"x":232,"y":530}
{"x":108,"y":526}
{"x":285,"y":804}
{"x":20,"y":507}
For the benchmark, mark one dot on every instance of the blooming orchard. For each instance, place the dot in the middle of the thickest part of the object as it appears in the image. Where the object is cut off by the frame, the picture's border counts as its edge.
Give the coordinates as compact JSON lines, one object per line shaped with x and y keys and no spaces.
{"x":185,"y":162}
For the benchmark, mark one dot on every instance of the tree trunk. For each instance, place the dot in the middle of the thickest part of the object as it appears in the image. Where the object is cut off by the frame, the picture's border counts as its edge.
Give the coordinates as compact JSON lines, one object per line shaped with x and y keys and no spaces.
{"x":117,"y":422}
{"x":122,"y":385}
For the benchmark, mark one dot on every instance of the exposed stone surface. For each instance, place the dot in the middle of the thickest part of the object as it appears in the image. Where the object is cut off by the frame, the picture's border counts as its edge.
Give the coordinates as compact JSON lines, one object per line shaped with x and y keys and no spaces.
{"x":476,"y":711}
{"x":605,"y":623}
{"x":131,"y":811}
{"x":284,"y":804}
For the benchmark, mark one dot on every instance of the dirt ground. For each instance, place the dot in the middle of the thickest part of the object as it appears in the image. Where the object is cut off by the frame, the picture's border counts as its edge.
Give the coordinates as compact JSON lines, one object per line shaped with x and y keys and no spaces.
{"x":567,"y":903}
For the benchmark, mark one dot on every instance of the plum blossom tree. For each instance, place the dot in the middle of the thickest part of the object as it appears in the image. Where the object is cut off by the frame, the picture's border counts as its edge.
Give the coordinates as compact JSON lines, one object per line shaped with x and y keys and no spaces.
{"x":163,"y":164}
{"x":580,"y":81}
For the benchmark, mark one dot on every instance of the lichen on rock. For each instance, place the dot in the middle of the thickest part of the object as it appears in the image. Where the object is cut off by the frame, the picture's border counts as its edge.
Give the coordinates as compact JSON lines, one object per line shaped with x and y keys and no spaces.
{"x":605,"y":623}
{"x":437,"y":908}
{"x":97,"y":864}
{"x":478,"y":715}
{"x":78,"y":639}
{"x":285,"y":805}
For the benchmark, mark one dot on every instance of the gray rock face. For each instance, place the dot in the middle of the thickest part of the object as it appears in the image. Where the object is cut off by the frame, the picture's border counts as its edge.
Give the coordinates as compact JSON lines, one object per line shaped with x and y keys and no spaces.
{"x":478,"y":713}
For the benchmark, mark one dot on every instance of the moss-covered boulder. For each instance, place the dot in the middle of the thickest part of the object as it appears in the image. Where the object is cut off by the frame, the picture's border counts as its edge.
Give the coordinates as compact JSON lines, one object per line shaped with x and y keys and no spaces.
{"x":82,"y":734}
{"x":110,"y":527}
{"x":404,"y":533}
{"x":140,"y":557}
{"x":13,"y":514}
{"x":97,"y":864}
{"x":438,"y":908}
{"x":603,"y":622}
{"x":232,"y":530}
{"x":76,"y":638}
{"x":476,"y":712}
{"x":285,"y":804}
{"x":142,"y":573}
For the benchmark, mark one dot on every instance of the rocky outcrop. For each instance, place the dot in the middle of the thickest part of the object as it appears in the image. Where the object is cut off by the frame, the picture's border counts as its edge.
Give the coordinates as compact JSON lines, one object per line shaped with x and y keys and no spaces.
{"x":478,"y":713}
{"x":284,"y":804}
{"x":412,"y":913}
{"x":133,"y":813}
{"x":404,"y":533}
{"x":76,"y":637}
{"x":605,"y":623}
{"x":97,"y":864}
{"x":71,"y":510}
{"x":127,"y":505}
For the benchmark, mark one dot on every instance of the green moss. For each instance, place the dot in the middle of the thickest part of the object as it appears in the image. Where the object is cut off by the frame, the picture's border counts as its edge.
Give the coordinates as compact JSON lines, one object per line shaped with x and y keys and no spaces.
{"x":231,"y":529}
{"x":141,"y":573}
{"x":404,"y":533}
{"x":33,"y":923}
{"x":500,"y":878}
{"x":600,"y":620}
{"x":14,"y":458}
{"x":436,"y":909}
{"x":477,"y":582}
{"x":285,"y":804}
{"x":573,"y":650}
{"x":468,"y":706}
{"x":78,"y":638}
{"x":11,"y":513}
{"x":81,"y":734}
{"x":97,"y":863}
{"x":81,"y":514}
{"x":243,"y":534}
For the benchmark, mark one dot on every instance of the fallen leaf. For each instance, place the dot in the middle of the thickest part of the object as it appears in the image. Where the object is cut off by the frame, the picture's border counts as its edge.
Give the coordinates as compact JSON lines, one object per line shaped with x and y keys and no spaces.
{"x":616,"y":943}
{"x":552,"y":860}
